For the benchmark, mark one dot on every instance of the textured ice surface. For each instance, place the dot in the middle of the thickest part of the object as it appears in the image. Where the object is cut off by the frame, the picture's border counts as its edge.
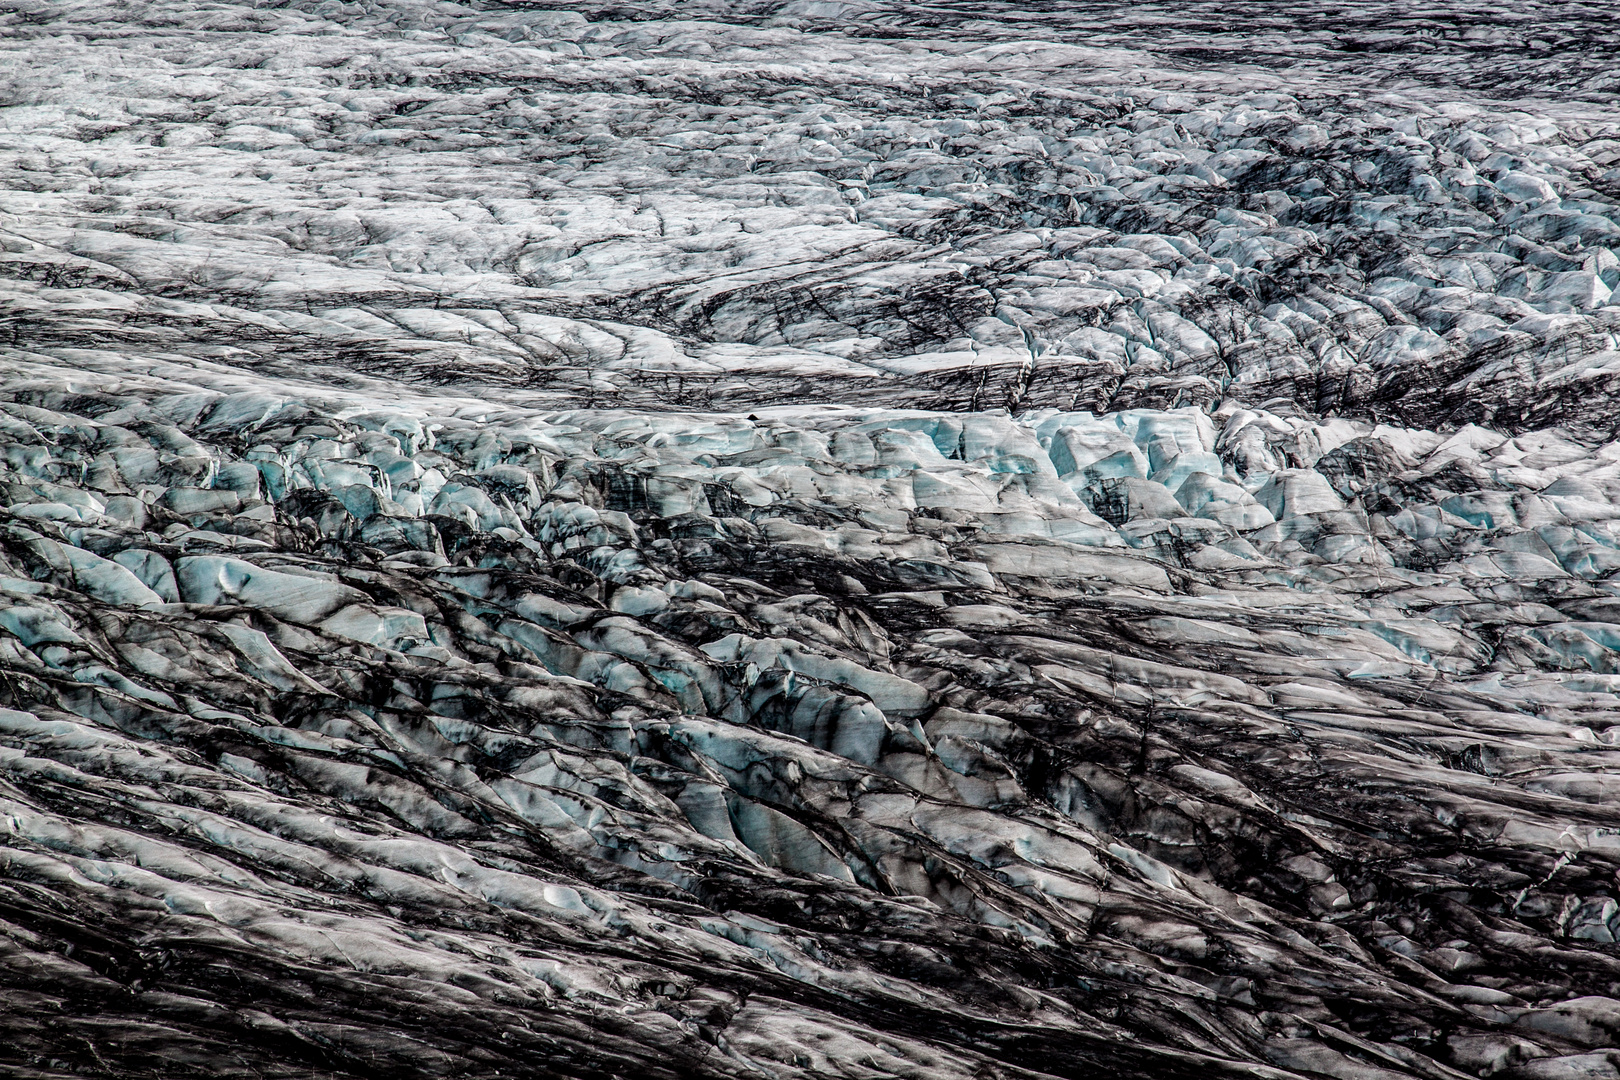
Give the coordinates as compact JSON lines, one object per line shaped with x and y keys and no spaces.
{"x":821,"y":539}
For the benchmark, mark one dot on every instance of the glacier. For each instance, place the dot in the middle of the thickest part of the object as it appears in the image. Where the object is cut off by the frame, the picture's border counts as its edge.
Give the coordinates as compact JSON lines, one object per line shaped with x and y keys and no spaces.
{"x":826,"y":538}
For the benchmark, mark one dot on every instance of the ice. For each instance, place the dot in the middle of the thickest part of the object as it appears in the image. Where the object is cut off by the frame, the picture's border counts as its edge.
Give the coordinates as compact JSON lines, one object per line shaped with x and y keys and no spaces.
{"x":808,"y":539}
{"x":213,"y":579}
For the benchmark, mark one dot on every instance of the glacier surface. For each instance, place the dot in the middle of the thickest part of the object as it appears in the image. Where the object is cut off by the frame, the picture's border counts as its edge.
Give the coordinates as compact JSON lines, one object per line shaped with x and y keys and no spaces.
{"x":833,"y":538}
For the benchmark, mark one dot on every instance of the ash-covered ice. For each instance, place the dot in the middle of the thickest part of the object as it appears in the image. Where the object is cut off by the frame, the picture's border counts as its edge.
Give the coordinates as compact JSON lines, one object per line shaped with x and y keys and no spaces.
{"x":841,"y":538}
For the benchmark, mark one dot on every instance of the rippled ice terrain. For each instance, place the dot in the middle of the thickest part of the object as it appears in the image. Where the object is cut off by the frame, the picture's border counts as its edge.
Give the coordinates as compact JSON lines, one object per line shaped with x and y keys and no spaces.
{"x":840,"y":538}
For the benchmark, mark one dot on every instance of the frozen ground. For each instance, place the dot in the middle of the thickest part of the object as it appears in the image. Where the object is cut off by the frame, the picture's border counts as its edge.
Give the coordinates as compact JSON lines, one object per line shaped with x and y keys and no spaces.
{"x":829,"y":539}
